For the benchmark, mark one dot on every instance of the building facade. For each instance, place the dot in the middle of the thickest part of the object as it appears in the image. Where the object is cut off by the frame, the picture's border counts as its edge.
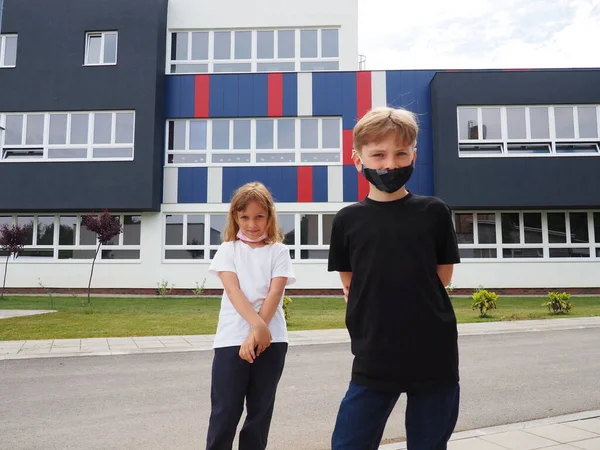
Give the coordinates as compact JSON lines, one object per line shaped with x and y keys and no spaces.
{"x":158,"y":110}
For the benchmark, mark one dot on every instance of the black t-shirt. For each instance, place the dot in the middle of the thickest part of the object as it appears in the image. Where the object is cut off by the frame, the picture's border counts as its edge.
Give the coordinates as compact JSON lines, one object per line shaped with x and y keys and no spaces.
{"x":400,"y":319}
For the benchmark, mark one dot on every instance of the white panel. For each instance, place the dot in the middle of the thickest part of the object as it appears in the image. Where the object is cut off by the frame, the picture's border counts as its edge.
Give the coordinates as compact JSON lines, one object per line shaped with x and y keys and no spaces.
{"x":305,"y":107}
{"x":378,"y":89}
{"x":335,"y":188}
{"x":197,"y":14}
{"x":171,"y":179}
{"x":215,"y":185}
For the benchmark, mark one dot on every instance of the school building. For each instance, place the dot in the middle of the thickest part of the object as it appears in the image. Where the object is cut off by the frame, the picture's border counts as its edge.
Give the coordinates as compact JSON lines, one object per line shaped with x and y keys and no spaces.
{"x":157,"y":110}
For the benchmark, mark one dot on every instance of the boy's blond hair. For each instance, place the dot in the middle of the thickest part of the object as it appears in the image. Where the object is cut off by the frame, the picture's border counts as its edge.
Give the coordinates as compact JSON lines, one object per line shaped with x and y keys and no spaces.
{"x":257,"y":192}
{"x":381,"y":122}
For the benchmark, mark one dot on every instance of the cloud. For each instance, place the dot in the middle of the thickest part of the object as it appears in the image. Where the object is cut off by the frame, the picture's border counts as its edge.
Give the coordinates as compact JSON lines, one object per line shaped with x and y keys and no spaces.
{"x":473,"y":34}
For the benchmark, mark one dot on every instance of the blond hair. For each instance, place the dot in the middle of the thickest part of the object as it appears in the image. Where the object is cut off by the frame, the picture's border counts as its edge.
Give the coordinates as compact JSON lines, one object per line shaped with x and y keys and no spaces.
{"x":381,"y":122}
{"x":249,"y":192}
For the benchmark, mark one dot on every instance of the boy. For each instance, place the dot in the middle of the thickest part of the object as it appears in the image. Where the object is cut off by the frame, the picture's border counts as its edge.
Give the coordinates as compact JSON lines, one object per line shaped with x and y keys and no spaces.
{"x":395,"y":252}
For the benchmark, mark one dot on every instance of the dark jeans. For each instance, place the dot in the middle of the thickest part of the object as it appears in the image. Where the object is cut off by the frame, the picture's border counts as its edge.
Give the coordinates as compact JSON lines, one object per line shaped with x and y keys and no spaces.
{"x":234,"y":380}
{"x":430,"y":418}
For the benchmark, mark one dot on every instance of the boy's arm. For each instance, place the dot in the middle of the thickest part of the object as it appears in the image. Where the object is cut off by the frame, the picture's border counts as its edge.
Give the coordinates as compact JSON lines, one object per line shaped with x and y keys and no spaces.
{"x":339,"y":255}
{"x":346,"y":278}
{"x":445,"y":272}
{"x":446,"y":246}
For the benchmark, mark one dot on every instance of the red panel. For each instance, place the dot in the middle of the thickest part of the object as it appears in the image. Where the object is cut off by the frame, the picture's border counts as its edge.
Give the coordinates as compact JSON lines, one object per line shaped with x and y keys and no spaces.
{"x":363,"y":187}
{"x":201,"y":95}
{"x":275,"y":95}
{"x":347,"y":145}
{"x":305,"y":184}
{"x":363,"y":93}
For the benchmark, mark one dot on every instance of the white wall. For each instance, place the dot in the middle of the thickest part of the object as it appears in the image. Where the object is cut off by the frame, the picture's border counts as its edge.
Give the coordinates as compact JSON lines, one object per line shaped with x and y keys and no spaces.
{"x":151,"y":270}
{"x":204,"y":14}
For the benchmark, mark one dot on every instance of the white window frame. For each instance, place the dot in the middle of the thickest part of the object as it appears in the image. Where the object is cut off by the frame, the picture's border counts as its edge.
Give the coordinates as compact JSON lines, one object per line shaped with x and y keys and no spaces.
{"x":504,"y":142}
{"x":46,"y":146}
{"x":296,"y":248}
{"x":254,"y":61}
{"x":56,"y":247}
{"x":299,"y":152}
{"x":545,"y":245}
{"x":102,"y":35}
{"x":3,"y":38}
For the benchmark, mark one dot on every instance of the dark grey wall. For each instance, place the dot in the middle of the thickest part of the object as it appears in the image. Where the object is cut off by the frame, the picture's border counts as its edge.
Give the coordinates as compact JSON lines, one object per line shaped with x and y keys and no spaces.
{"x":546,"y":182}
{"x":50,"y":76}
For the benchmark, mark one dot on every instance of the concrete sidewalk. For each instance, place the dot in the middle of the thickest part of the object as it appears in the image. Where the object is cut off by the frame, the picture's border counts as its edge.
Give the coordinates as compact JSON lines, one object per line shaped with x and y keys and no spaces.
{"x":160,"y":344}
{"x":569,"y":432}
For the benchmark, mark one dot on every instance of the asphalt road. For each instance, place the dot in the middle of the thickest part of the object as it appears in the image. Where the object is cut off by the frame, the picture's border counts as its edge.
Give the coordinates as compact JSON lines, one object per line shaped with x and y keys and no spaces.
{"x":161,"y":401}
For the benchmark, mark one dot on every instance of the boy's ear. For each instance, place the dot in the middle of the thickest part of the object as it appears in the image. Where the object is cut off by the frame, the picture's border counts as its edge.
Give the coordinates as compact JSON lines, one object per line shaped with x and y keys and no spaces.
{"x":356,"y":160}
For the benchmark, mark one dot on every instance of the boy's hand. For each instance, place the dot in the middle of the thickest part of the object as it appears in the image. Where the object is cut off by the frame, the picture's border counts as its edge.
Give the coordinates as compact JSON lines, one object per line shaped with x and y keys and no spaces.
{"x":346,"y":290}
{"x":262,"y":337}
{"x":247,"y":349}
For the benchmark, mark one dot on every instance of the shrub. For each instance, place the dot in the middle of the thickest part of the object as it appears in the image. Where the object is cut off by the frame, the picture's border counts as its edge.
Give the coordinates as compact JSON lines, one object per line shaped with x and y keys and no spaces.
{"x":484,"y":300}
{"x":559,"y":303}
{"x":286,"y":310}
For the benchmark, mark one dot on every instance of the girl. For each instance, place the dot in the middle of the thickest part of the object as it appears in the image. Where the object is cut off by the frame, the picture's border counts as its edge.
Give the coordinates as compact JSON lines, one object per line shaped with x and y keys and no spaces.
{"x":251,"y":340}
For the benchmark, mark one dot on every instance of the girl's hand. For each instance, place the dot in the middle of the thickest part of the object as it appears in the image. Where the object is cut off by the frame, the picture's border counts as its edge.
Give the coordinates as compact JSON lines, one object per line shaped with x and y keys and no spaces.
{"x":247,"y":349}
{"x":262,"y":337}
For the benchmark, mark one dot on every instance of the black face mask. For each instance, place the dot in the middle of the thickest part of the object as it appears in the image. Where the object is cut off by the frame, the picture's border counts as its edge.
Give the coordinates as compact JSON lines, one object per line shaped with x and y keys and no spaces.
{"x":388,"y":180}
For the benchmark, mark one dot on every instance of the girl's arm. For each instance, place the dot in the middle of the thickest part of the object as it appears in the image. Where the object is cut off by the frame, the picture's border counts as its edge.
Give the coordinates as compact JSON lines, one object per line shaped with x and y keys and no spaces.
{"x":269,"y":306}
{"x":239,"y":301}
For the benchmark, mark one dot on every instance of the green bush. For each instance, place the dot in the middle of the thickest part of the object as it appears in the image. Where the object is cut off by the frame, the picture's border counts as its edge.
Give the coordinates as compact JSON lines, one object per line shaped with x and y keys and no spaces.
{"x":559,"y":303}
{"x":484,"y":300}
{"x":286,"y":310}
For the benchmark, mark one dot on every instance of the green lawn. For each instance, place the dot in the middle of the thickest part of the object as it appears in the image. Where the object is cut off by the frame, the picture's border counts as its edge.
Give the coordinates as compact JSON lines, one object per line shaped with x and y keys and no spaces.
{"x":114,"y":317}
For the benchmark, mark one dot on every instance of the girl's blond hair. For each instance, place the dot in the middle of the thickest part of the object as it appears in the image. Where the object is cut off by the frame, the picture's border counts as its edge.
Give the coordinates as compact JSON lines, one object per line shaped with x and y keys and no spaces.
{"x":381,"y":122}
{"x":257,"y":192}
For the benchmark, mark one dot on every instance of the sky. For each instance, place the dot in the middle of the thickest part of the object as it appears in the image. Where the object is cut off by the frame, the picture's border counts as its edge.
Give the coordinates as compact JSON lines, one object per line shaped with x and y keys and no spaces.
{"x":479,"y":34}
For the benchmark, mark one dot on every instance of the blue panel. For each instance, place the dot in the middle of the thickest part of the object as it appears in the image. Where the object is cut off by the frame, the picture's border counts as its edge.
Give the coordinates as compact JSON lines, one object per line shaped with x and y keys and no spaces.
{"x":413,"y":183}
{"x":328,"y":92}
{"x":290,"y":94}
{"x":179,"y":96}
{"x":261,"y":95}
{"x":192,"y":185}
{"x":350,"y":183}
{"x":320,"y":184}
{"x":216,"y":107}
{"x":231,"y":96}
{"x":283,"y":183}
{"x":246,"y":95}
{"x":349,"y":100}
{"x":426,"y":179}
{"x":171,"y":104}
{"x":186,"y":96}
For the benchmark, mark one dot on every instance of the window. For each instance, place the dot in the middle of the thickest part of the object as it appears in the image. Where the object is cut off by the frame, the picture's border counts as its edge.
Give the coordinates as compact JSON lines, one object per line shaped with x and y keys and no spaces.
{"x":61,"y":136}
{"x":285,"y":141}
{"x":101,"y":48}
{"x":528,"y":130}
{"x":528,"y":234}
{"x":197,"y":236}
{"x":8,"y":50}
{"x":262,"y":50}
{"x":63,"y":237}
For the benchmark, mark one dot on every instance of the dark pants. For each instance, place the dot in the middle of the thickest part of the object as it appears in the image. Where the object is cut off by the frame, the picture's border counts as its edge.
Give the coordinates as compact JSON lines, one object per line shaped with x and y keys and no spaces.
{"x":430,"y":418}
{"x":234,"y":380}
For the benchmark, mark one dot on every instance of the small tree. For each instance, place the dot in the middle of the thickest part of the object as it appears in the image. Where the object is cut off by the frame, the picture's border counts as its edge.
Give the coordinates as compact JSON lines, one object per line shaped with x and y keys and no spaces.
{"x":12,"y":240}
{"x":106,"y":227}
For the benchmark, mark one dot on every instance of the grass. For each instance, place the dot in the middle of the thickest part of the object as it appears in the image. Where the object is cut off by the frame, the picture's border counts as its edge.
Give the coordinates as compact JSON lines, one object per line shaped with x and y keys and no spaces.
{"x":161,"y":316}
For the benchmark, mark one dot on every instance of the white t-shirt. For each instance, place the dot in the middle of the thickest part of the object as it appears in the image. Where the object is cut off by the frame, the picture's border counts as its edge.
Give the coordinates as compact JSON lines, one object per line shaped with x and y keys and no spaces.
{"x":255,"y":267}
